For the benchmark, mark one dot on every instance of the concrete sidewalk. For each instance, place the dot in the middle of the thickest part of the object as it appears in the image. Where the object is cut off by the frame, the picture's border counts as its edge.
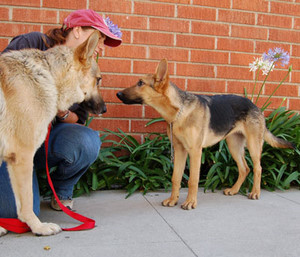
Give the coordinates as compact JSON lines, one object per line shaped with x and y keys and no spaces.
{"x":140,"y":226}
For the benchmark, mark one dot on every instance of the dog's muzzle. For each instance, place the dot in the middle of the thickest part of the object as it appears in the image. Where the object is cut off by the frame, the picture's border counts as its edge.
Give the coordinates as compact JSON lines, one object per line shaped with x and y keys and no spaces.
{"x":126,"y":100}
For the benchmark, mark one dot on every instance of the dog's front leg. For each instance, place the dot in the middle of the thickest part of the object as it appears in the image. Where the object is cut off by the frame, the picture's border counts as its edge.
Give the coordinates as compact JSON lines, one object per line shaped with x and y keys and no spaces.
{"x":180,"y":155}
{"x":21,"y":179}
{"x":195,"y":162}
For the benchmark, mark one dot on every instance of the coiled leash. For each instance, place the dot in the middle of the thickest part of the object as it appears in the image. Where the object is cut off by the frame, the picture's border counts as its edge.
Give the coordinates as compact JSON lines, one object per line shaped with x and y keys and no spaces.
{"x":17,"y":226}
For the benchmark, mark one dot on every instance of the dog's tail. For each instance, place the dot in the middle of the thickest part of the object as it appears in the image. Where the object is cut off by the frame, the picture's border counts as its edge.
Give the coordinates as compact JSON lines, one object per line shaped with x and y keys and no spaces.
{"x":277,"y":142}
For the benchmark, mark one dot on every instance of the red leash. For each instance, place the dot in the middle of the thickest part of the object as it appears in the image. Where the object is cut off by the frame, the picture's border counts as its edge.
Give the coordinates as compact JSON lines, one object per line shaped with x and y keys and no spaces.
{"x":17,"y":226}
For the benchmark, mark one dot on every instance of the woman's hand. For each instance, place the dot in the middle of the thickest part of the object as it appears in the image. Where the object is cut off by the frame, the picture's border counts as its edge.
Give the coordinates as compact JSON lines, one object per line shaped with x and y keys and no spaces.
{"x":67,"y":116}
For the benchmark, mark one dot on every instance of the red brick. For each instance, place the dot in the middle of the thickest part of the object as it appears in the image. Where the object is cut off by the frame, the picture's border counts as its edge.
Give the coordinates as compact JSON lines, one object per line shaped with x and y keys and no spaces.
{"x":154,"y":9}
{"x":123,"y":111}
{"x":62,"y":15}
{"x":126,"y":51}
{"x":194,"y":12}
{"x":285,"y":8}
{"x":110,"y":65}
{"x":129,"y":22}
{"x":67,"y":4}
{"x":276,"y":75}
{"x":201,"y":86}
{"x":275,"y":102}
{"x":233,"y":73}
{"x":148,"y":67}
{"x":32,"y":3}
{"x":34,"y":15}
{"x":295,"y":63}
{"x":284,"y":35}
{"x":239,"y":87}
{"x":213,"y":3}
{"x":294,"y":104}
{"x":274,"y":21}
{"x":296,"y":50}
{"x":169,"y":25}
{"x":174,"y":1}
{"x":208,"y":28}
{"x":140,"y":126}
{"x":283,"y":90}
{"x":117,"y":80}
{"x":242,"y":59}
{"x":153,"y":38}
{"x":12,"y":30}
{"x":295,"y":77}
{"x":109,"y":95}
{"x":249,"y":32}
{"x":3,"y":44}
{"x":263,"y":47}
{"x":114,"y":6}
{"x":253,"y":5}
{"x":236,"y":17}
{"x":126,"y":36}
{"x":297,"y":23}
{"x":4,"y":14}
{"x":209,"y":56}
{"x":111,"y":124}
{"x":172,"y":54}
{"x":151,"y":113}
{"x":199,"y":42}
{"x":179,"y":82}
{"x":195,"y":70}
{"x":236,"y":45}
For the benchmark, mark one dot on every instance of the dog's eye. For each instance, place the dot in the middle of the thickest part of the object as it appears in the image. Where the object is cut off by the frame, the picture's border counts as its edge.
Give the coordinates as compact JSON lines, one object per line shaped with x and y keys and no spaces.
{"x":140,"y":83}
{"x":98,"y":80}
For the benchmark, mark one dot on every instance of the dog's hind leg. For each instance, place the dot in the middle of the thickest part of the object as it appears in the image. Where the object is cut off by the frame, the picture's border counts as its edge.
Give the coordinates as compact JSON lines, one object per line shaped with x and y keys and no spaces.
{"x":236,"y":145}
{"x":254,"y":144}
{"x":180,"y":155}
{"x":20,"y":170}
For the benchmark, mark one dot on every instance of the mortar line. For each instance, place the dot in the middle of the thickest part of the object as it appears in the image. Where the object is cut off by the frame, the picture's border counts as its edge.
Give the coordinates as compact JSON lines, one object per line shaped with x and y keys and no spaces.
{"x":177,"y":234}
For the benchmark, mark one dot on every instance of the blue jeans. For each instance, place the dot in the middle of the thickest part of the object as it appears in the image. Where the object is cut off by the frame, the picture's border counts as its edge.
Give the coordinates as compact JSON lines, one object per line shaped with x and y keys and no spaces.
{"x":72,"y":149}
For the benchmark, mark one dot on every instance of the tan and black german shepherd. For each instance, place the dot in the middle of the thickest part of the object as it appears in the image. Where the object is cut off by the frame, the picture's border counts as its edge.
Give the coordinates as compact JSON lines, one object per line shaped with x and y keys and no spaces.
{"x":34,"y":85}
{"x":200,"y":121}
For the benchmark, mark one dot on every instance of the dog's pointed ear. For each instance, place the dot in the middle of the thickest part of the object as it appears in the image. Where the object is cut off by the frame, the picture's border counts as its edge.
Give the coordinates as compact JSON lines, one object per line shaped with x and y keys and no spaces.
{"x":86,"y":50}
{"x":162,"y":70}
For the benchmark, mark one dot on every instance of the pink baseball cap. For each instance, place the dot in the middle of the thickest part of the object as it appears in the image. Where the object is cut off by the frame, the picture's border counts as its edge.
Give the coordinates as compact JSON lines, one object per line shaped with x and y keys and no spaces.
{"x":87,"y":17}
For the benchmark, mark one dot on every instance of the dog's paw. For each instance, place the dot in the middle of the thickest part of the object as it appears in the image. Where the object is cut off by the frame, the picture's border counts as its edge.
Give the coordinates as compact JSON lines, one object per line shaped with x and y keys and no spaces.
{"x":254,"y":195}
{"x":3,"y":231}
{"x":46,"y":229}
{"x":170,"y":202}
{"x":189,"y":204}
{"x":230,"y":191}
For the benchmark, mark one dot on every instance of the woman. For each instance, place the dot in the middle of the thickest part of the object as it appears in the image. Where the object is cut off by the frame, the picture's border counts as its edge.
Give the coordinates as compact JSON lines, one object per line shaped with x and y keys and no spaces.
{"x":72,"y":147}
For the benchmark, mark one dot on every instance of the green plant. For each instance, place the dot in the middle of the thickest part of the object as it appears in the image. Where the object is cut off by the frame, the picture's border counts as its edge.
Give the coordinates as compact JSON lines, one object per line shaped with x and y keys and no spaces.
{"x":130,"y":164}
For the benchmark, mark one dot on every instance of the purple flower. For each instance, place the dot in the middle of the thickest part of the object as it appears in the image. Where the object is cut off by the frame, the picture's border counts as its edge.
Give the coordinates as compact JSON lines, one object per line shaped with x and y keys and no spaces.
{"x":113,"y":28}
{"x":277,"y":55}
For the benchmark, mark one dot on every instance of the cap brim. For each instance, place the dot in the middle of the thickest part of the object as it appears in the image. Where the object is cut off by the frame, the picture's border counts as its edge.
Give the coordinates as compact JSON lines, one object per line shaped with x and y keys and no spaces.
{"x":111,"y":39}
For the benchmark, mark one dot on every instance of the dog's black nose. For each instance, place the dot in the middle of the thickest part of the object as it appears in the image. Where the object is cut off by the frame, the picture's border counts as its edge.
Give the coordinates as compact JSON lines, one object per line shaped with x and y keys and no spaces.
{"x":104,"y":109}
{"x":120,"y":95}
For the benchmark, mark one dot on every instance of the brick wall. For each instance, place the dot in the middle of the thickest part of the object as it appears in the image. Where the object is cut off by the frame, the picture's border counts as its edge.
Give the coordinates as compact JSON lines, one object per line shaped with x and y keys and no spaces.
{"x":209,"y":45}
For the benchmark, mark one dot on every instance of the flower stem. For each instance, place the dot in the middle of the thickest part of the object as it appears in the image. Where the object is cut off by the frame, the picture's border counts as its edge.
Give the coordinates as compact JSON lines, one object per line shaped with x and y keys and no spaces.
{"x":263,"y":84}
{"x":256,"y":77}
{"x":266,"y":102}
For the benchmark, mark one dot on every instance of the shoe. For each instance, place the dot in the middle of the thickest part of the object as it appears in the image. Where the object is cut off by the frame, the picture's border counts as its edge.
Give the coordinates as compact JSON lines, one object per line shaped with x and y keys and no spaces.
{"x":54,"y":205}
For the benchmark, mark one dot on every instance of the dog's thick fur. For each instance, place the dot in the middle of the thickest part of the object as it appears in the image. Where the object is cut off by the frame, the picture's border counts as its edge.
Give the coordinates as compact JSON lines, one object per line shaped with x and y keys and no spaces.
{"x":34,"y":86}
{"x":200,"y":121}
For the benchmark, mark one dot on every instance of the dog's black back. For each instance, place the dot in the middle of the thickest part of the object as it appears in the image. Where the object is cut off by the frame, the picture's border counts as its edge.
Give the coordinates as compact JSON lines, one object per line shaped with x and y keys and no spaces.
{"x":227,"y":110}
